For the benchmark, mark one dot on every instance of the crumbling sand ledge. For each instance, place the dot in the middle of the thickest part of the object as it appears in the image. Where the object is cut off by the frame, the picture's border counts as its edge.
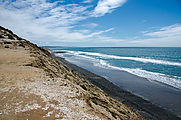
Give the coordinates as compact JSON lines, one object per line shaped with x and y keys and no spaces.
{"x":35,"y":85}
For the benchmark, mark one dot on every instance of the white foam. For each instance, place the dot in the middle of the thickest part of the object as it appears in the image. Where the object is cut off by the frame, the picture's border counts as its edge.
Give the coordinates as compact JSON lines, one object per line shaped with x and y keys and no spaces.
{"x":173,"y":81}
{"x":144,"y":60}
{"x":74,"y":53}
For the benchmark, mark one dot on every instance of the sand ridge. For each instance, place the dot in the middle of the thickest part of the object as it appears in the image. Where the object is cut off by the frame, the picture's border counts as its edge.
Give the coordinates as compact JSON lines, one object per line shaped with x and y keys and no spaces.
{"x":34,"y":85}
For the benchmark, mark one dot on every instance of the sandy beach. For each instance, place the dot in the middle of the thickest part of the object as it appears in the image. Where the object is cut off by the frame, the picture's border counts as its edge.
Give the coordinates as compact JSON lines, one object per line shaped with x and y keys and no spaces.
{"x":144,"y":107}
{"x":36,"y":85}
{"x":157,"y":93}
{"x":90,"y":60}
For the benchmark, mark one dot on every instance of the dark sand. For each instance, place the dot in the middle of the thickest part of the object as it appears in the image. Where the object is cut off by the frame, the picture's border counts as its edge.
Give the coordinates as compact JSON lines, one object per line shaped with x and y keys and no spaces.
{"x":159,"y":95}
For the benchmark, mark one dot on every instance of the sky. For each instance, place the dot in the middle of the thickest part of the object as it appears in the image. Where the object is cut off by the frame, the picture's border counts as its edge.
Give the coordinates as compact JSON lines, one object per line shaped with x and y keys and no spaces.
{"x":95,"y":23}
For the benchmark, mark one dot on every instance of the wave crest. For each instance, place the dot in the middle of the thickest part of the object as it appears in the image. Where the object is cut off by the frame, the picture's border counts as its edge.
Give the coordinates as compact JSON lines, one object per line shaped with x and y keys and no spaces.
{"x":173,"y":81}
{"x":144,"y":60}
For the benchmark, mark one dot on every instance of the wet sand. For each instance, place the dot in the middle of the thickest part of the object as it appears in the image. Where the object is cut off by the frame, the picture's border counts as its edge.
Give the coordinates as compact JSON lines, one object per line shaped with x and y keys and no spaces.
{"x":118,"y":83}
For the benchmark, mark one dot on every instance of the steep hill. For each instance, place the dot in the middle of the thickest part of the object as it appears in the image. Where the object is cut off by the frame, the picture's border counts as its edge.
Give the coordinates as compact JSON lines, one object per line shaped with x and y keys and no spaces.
{"x":35,"y":85}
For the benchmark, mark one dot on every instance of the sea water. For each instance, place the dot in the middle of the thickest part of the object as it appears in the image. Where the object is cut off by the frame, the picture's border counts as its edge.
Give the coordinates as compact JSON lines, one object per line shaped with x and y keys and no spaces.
{"x":161,"y":64}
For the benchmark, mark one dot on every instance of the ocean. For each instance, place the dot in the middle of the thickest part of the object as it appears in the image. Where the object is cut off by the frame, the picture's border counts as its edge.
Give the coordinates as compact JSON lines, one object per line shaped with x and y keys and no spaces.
{"x":160,"y":64}
{"x":153,"y":73}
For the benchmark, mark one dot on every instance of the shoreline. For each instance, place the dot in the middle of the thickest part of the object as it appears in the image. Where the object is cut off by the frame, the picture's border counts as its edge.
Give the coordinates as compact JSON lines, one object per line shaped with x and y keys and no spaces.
{"x":140,"y":105}
{"x":36,"y":85}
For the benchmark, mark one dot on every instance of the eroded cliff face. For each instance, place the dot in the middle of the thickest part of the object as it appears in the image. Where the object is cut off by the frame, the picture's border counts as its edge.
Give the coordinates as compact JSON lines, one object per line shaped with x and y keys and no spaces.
{"x":36,"y":85}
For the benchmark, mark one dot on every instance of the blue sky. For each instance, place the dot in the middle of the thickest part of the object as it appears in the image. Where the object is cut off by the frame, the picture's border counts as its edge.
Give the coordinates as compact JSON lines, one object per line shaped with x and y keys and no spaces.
{"x":110,"y":23}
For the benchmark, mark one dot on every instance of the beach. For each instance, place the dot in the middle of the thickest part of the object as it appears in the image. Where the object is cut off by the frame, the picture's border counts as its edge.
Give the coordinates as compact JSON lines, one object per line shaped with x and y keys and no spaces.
{"x":145,"y":72}
{"x":36,"y":85}
{"x":144,"y":107}
{"x":90,"y":60}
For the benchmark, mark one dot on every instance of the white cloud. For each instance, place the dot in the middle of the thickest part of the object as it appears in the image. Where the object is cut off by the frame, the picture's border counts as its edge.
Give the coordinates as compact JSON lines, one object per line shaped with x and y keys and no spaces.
{"x":44,"y":22}
{"x":107,"y":6}
{"x":168,"y":31}
{"x":87,"y":1}
{"x":100,"y":32}
{"x":164,"y":37}
{"x":90,"y":25}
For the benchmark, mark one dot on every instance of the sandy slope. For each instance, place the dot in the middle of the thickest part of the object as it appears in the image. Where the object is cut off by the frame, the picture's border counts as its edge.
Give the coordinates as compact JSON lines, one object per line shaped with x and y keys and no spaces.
{"x":27,"y":92}
{"x":34,"y":85}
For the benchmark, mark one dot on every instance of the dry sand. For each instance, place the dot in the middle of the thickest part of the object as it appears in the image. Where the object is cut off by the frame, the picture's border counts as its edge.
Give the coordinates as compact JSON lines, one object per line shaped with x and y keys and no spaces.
{"x":36,"y":86}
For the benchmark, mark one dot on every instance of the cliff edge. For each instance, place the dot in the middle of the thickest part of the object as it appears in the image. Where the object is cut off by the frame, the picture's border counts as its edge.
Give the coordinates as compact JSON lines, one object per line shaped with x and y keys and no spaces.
{"x":37,"y":86}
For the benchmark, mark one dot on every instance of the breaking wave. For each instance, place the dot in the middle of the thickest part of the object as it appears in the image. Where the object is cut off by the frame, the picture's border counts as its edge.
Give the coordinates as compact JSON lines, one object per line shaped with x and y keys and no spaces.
{"x":173,"y":81}
{"x":144,"y":60}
